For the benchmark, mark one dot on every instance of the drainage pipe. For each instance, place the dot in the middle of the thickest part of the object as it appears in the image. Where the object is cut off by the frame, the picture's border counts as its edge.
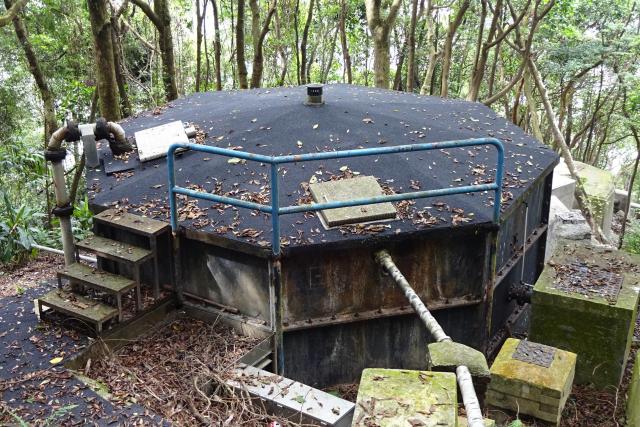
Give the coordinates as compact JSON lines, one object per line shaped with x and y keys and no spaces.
{"x":55,"y":153}
{"x":86,"y":258}
{"x":471,"y":404}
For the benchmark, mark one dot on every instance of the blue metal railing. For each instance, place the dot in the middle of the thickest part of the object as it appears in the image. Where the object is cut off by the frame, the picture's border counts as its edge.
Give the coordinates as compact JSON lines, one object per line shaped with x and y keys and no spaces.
{"x":274,"y":161}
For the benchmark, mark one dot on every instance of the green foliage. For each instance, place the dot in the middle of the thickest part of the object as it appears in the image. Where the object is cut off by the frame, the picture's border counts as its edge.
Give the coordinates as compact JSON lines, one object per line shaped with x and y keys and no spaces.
{"x":632,"y":238}
{"x":82,"y":219}
{"x":17,"y":230}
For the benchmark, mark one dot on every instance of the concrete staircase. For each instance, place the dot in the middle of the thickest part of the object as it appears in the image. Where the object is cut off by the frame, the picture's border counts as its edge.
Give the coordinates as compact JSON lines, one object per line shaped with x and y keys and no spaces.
{"x":104,"y":303}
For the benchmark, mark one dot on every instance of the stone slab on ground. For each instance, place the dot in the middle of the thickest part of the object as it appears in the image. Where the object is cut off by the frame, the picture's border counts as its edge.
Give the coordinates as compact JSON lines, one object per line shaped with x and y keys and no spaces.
{"x":633,"y":402}
{"x":590,"y":324}
{"x":463,"y":422}
{"x":362,"y":187}
{"x":446,"y":356}
{"x":529,"y":388}
{"x":396,"y":397}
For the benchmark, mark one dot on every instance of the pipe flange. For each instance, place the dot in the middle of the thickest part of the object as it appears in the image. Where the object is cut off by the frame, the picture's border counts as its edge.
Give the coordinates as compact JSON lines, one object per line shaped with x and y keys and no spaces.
{"x":63,"y":210}
{"x":55,"y":156}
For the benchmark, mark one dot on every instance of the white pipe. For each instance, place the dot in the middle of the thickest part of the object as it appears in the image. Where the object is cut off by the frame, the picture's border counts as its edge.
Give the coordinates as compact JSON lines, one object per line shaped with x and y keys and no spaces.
{"x":59,"y":252}
{"x":384,"y":259}
{"x":469,"y":397}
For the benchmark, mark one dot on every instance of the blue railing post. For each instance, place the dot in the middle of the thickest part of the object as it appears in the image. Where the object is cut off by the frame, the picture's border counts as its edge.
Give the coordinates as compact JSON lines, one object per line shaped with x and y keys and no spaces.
{"x":499,"y":175}
{"x":275,"y":209}
{"x":172,"y":183}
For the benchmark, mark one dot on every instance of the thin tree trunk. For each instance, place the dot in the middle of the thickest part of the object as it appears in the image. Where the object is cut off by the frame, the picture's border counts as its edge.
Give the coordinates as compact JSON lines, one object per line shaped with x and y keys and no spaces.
{"x":217,"y":47}
{"x":125,"y":103}
{"x":199,"y":20}
{"x":50,"y":122}
{"x":448,"y":45}
{"x":11,"y":12}
{"x":329,"y":62}
{"x":533,"y":112}
{"x":343,"y":42}
{"x":411,"y":57}
{"x":242,"y":66}
{"x":397,"y":79}
{"x":297,"y":40}
{"x":581,"y":195}
{"x":104,"y":59}
{"x":258,"y":58}
{"x":303,"y":44}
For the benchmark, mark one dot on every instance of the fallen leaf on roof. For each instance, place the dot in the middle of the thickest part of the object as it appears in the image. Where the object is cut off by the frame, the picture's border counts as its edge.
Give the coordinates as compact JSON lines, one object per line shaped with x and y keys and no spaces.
{"x":316,"y":126}
{"x":368,"y":120}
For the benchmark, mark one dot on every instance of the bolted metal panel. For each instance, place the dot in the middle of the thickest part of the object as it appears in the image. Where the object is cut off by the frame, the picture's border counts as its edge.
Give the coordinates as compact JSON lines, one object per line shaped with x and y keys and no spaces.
{"x":443,"y":268}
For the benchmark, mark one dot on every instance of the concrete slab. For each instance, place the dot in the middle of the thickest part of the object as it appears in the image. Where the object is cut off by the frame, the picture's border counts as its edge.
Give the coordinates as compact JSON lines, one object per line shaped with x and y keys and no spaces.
{"x":154,"y":142}
{"x":588,"y":321}
{"x":530,"y":388}
{"x":394,"y":397}
{"x":294,"y":400}
{"x":351,"y":189}
{"x":599,"y":186}
{"x":563,"y":186}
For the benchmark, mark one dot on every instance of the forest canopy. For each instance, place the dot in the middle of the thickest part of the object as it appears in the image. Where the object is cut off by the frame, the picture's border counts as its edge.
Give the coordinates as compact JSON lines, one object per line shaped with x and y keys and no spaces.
{"x":565,"y":71}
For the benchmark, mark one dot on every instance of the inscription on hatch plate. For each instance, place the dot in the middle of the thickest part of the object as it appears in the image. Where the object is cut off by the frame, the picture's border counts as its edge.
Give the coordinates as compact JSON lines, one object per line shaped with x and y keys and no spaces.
{"x":537,"y":354}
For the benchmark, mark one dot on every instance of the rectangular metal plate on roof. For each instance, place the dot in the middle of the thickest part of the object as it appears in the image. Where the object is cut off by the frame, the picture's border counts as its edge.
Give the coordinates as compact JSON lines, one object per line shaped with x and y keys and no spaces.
{"x":351,"y":189}
{"x":154,"y":142}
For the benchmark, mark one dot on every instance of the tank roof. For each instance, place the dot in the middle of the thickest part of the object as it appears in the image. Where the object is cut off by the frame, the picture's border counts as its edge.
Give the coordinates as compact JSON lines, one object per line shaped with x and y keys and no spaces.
{"x":277,"y":122}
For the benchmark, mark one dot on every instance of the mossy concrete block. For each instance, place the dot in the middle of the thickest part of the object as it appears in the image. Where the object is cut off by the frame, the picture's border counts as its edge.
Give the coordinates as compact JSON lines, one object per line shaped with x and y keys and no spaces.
{"x":530,"y":388}
{"x":633,"y":402}
{"x":598,"y":331}
{"x":446,"y":356}
{"x":599,"y":186}
{"x":395,"y":397}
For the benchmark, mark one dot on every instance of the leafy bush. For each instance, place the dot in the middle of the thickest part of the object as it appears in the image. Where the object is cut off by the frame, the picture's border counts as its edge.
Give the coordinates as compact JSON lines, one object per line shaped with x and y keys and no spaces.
{"x":18,"y":225}
{"x":82,"y":219}
{"x":632,"y":238}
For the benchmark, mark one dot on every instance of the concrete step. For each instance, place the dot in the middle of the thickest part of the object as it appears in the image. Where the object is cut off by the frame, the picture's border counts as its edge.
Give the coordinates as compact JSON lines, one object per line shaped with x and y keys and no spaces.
{"x":130,"y":222}
{"x":96,"y":279}
{"x":115,"y":250}
{"x":77,"y":306}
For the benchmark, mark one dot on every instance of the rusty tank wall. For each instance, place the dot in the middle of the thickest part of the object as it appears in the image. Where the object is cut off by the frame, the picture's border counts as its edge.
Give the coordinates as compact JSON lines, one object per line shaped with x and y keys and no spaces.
{"x":339,"y":313}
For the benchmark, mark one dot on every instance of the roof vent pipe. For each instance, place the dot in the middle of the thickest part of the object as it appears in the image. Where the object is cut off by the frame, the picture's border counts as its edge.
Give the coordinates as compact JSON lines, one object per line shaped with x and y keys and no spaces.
{"x":314,"y":95}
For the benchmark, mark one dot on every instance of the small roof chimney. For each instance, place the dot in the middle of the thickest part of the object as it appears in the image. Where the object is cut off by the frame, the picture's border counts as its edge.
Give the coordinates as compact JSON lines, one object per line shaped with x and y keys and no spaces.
{"x":314,"y":95}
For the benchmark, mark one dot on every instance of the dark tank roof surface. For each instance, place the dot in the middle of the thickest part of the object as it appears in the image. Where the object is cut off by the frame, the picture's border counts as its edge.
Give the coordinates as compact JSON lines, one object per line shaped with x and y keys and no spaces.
{"x":277,"y":122}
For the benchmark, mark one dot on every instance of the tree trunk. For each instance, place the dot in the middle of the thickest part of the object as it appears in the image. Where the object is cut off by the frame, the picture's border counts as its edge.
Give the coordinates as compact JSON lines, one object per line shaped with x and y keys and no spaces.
{"x":199,"y":20}
{"x":380,"y":31}
{"x":533,"y":112}
{"x":161,"y":19}
{"x":11,"y":12}
{"x":303,"y":44}
{"x":343,"y":42}
{"x":581,"y":195}
{"x":125,"y":103}
{"x":411,"y":56}
{"x":105,"y":68}
{"x":50,"y":122}
{"x":242,"y":66}
{"x":448,"y":45}
{"x":217,"y":47}
{"x":397,"y":79}
{"x":297,"y":40}
{"x":258,"y":59}
{"x":432,"y":42}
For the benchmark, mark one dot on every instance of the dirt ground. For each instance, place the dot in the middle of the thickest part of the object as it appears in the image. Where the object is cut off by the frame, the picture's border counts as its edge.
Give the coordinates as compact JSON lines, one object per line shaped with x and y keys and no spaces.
{"x":16,"y":281}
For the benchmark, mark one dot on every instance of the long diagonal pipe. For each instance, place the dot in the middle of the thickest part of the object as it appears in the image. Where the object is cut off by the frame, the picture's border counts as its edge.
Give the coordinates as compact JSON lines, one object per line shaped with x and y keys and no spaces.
{"x":471,"y":404}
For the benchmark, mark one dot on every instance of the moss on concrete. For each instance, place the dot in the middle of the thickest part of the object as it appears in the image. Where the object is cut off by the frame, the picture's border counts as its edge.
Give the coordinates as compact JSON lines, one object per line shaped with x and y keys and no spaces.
{"x":598,"y":331}
{"x":449,"y":354}
{"x":394,"y":397}
{"x":633,"y":403}
{"x":599,"y":186}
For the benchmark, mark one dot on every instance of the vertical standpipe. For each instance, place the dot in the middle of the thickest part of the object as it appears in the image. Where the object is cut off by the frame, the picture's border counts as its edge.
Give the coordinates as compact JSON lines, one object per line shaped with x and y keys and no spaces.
{"x":465,"y":383}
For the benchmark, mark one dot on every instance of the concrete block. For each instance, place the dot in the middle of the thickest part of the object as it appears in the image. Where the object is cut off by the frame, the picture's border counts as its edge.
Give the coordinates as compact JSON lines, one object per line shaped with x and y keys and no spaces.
{"x":597,"y":328}
{"x":463,"y":422}
{"x":600,"y":189}
{"x":395,"y":397}
{"x":633,"y":402}
{"x":563,"y":186}
{"x":539,"y":391}
{"x":446,"y":356}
